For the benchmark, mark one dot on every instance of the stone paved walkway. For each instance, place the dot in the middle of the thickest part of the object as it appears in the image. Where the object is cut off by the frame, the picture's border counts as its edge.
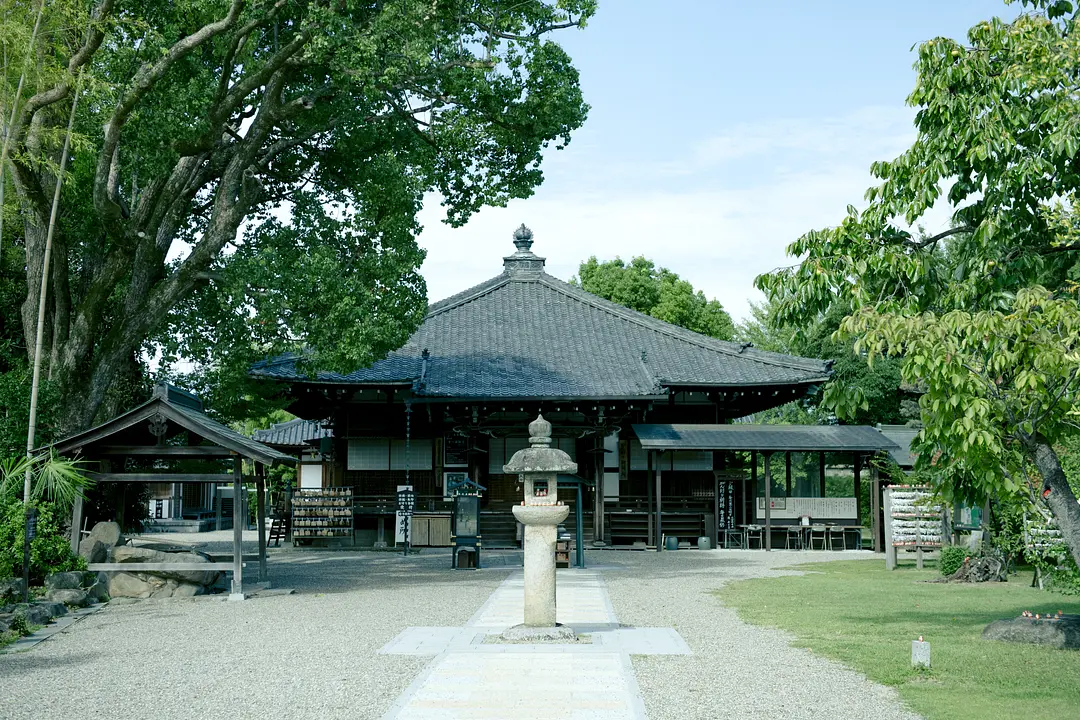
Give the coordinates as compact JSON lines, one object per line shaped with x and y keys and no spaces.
{"x":471,"y":678}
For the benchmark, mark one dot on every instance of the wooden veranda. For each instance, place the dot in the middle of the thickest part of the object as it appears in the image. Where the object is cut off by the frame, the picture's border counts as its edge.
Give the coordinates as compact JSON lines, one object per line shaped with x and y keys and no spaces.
{"x":170,"y":440}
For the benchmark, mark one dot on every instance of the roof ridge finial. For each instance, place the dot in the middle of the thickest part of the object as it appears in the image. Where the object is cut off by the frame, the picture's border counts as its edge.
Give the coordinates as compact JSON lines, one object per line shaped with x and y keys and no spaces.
{"x":523,"y":238}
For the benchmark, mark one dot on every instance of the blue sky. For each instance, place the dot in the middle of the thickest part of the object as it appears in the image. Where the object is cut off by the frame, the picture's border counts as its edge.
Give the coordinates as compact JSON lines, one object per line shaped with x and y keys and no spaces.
{"x":719,"y":132}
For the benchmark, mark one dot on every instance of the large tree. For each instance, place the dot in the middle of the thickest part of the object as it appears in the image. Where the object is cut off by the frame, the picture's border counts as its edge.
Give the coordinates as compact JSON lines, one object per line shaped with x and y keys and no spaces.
{"x":245,"y":175}
{"x":984,"y":315}
{"x":640,"y":285}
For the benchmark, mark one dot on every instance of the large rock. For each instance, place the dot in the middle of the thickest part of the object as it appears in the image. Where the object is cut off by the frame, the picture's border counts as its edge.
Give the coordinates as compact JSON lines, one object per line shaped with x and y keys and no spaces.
{"x":11,"y":590}
{"x":129,"y":554}
{"x":98,"y":592}
{"x":64,"y":581}
{"x":128,"y":585}
{"x":40,"y":613}
{"x":108,"y":533}
{"x":93,"y":550}
{"x":1063,"y":633}
{"x":74,"y":597}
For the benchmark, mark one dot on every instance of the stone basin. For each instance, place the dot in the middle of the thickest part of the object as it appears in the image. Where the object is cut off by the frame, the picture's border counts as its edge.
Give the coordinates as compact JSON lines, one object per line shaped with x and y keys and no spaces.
{"x":541,"y":514}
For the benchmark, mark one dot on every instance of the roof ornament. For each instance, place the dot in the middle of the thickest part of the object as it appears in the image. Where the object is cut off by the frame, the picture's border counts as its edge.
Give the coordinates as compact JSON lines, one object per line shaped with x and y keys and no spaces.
{"x":523,"y":264}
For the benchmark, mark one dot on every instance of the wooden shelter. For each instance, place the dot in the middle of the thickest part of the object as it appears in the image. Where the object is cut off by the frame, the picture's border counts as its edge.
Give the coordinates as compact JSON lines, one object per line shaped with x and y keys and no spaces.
{"x":170,"y":442}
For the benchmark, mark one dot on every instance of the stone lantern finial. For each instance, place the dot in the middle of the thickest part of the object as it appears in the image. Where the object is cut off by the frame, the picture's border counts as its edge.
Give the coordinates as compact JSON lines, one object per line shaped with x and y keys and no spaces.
{"x":540,"y":432}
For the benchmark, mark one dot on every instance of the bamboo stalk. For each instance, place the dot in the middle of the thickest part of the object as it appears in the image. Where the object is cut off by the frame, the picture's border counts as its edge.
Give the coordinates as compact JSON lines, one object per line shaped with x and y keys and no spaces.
{"x":31,"y":430}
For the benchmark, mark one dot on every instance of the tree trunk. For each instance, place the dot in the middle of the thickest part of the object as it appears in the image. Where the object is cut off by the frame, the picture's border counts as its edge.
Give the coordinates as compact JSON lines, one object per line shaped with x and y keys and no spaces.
{"x":1061,"y":500}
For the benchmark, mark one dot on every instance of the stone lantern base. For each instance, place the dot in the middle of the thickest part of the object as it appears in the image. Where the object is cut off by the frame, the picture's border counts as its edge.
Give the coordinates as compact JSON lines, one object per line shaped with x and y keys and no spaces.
{"x":533,"y":634}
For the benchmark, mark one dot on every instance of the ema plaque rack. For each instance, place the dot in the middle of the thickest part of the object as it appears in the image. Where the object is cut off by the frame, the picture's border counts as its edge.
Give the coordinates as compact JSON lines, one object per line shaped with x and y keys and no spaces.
{"x":913,"y":522}
{"x":322,"y":515}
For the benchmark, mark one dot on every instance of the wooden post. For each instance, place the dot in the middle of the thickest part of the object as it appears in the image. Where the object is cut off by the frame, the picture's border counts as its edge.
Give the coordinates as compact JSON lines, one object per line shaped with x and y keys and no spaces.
{"x":649,"y":480}
{"x":821,"y":478}
{"x":717,"y":460}
{"x":598,"y":503}
{"x":787,"y":472}
{"x":858,"y":489}
{"x":238,"y":534}
{"x":260,"y":509}
{"x":217,"y":508}
{"x":875,"y":507}
{"x":751,"y":501}
{"x":76,"y":523}
{"x":890,"y":549}
{"x":768,"y":501}
{"x":659,"y":504}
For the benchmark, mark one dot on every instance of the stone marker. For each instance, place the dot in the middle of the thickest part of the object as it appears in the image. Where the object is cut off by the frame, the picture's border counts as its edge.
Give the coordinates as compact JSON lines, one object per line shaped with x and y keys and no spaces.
{"x":920,"y":653}
{"x":540,"y":513}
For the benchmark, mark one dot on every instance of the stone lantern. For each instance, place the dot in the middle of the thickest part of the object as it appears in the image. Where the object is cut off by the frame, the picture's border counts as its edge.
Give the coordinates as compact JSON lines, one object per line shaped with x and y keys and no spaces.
{"x":540,"y":513}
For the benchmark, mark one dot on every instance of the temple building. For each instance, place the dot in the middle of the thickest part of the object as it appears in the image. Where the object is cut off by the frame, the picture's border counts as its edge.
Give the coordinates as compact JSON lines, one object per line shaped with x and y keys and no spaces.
{"x":456,"y":400}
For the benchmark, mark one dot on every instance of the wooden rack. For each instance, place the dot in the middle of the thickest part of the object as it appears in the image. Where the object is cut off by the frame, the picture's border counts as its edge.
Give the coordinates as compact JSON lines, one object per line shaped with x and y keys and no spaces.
{"x":325,"y":514}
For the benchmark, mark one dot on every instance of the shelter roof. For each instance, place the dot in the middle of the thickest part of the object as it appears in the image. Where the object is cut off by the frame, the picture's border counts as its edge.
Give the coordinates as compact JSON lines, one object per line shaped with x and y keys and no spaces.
{"x":769,"y":438}
{"x":293,"y":434}
{"x":903,"y":436}
{"x":526,"y":334}
{"x":184,"y":410}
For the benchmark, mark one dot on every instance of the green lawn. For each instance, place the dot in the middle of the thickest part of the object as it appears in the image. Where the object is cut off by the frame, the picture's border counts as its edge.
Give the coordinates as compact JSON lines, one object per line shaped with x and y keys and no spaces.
{"x":866,"y":617}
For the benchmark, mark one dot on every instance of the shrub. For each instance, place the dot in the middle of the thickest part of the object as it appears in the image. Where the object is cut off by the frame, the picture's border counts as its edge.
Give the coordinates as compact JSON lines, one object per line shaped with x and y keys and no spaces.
{"x":50,"y":550}
{"x":952,"y":557}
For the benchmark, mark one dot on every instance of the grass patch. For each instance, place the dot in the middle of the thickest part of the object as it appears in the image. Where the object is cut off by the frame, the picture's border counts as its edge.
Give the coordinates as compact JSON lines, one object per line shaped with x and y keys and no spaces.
{"x":866,"y":617}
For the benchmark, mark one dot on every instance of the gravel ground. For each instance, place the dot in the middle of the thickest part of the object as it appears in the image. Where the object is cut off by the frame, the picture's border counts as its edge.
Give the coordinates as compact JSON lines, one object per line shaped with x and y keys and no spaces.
{"x":737,"y":670}
{"x":309,"y":655}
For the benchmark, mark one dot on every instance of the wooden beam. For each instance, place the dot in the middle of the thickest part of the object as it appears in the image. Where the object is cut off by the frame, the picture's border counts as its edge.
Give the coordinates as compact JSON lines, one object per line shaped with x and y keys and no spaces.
{"x":858,"y":489}
{"x":183,"y":451}
{"x":162,"y":477}
{"x":751,"y":501}
{"x":650,"y":481}
{"x":821,"y":458}
{"x":76,"y":524}
{"x":875,"y":508}
{"x":159,"y":567}
{"x":787,"y":472}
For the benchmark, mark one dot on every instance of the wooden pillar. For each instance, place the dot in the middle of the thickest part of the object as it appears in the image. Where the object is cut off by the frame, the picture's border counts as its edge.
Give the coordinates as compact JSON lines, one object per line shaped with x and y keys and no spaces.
{"x":238,"y":533}
{"x":260,"y":511}
{"x":659,"y":505}
{"x":598,"y":502}
{"x":821,"y":478}
{"x":875,"y":508}
{"x":858,"y":488}
{"x":649,"y":481}
{"x":717,"y":464}
{"x":217,"y":507}
{"x":76,"y":523}
{"x":768,"y":501}
{"x":787,"y":472}
{"x":750,"y":502}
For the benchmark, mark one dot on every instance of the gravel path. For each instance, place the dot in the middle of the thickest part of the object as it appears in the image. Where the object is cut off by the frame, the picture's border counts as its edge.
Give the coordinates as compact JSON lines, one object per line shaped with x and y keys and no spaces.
{"x":313,"y":654}
{"x":309,"y":655}
{"x":737,"y":670}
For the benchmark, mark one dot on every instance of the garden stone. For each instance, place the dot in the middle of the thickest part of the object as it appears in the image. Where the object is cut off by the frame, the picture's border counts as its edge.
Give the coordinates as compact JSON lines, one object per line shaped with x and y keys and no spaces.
{"x":73,"y":597}
{"x":93,"y":550}
{"x":38,"y":613}
{"x":98,"y":592}
{"x":1062,"y":634}
{"x":64,"y":581}
{"x":108,"y":533}
{"x":5,"y":622}
{"x":128,"y":554}
{"x":11,"y":589}
{"x":128,"y":585}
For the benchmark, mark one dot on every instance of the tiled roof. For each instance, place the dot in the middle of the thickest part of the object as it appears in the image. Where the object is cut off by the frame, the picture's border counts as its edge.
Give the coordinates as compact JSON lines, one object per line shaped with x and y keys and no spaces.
{"x":183,"y":409}
{"x":862,"y":438}
{"x":526,"y":334}
{"x":294,"y":433}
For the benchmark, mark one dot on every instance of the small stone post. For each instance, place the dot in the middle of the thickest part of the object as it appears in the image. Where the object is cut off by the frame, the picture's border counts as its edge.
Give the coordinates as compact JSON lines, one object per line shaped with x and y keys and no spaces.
{"x":540,"y":512}
{"x":920,"y":653}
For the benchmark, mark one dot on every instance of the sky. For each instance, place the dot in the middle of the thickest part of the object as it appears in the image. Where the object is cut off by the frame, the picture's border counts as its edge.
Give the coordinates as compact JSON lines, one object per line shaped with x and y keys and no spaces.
{"x":719,"y":133}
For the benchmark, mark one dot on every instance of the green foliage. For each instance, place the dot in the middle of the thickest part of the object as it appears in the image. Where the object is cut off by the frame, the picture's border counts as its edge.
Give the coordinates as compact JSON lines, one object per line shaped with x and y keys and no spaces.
{"x":245,"y":177}
{"x":952,"y":557}
{"x":983,"y":317}
{"x":658,"y":292}
{"x":50,"y":550}
{"x":51,"y":478}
